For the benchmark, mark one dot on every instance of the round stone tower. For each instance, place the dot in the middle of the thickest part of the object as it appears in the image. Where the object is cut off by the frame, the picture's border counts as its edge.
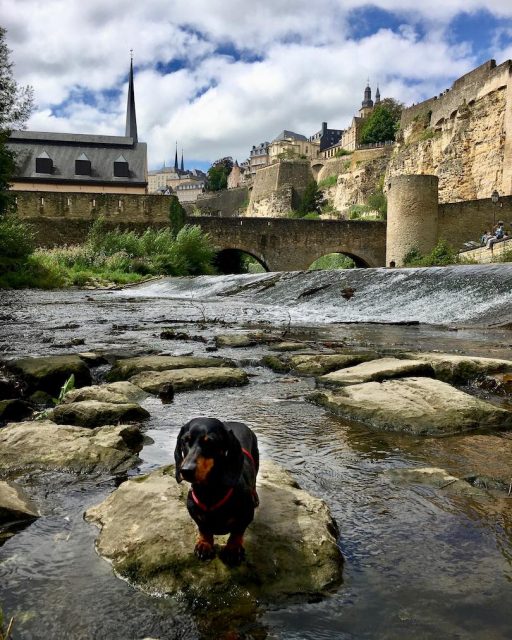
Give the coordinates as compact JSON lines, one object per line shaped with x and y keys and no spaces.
{"x":412,"y":216}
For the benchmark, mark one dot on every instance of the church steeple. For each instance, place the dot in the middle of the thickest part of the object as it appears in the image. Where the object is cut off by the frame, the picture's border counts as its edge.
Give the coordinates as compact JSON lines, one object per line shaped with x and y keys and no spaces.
{"x":182,"y":165}
{"x":131,"y":118}
{"x":176,"y":168}
{"x":367,"y":102}
{"x":377,"y":95}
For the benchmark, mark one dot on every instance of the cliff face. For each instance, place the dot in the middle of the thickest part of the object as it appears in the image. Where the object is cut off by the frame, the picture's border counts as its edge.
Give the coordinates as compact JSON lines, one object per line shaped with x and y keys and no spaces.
{"x":466,"y":150}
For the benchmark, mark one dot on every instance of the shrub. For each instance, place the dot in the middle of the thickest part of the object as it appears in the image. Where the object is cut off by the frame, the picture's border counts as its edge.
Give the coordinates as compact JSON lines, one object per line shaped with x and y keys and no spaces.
{"x":342,"y":152}
{"x":333,"y":261}
{"x":441,"y":255}
{"x":16,"y":239}
{"x":328,"y":182}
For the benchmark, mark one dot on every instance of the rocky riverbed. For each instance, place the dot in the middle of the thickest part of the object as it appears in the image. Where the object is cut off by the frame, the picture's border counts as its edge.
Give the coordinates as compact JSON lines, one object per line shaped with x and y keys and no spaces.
{"x":353,"y":415}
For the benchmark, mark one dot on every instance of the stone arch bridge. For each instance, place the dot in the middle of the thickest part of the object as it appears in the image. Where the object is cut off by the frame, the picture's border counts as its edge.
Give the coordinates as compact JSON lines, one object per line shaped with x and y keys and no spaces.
{"x":284,"y":244}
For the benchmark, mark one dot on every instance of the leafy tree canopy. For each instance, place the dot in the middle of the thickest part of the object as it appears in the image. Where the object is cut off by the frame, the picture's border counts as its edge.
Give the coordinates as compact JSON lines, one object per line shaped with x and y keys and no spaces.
{"x":218,"y":174}
{"x":382,"y":124}
{"x":312,"y":200}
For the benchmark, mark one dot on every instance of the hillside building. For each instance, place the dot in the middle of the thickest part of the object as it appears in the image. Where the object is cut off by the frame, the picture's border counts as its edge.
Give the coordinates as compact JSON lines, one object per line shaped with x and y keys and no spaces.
{"x":289,"y":144}
{"x":258,"y":157}
{"x":73,"y":162}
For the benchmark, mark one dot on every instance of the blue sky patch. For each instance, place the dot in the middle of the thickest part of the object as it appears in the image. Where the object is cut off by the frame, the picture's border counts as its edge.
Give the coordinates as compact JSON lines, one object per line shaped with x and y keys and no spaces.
{"x":479,"y":30}
{"x":365,"y":21}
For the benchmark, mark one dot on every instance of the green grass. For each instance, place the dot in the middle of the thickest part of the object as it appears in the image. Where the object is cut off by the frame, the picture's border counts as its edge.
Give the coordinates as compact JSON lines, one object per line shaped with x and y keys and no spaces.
{"x":441,"y":255}
{"x":333,"y":261}
{"x":327,"y":182}
{"x":112,"y":257}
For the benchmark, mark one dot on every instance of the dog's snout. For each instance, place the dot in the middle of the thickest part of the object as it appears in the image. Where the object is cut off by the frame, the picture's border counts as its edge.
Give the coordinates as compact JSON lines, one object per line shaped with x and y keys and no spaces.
{"x":188,"y":472}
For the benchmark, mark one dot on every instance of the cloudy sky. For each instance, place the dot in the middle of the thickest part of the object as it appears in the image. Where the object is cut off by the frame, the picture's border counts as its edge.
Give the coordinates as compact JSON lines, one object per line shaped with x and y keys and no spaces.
{"x":221,"y":75}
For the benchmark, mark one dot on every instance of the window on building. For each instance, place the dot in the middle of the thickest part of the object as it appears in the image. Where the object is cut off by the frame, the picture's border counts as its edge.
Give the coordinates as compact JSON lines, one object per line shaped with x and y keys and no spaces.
{"x":82,"y":166}
{"x":44,"y":164}
{"x":121,"y":168}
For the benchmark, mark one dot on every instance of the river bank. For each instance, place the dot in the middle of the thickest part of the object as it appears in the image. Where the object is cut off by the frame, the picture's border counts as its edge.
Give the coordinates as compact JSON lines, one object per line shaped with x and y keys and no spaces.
{"x":418,"y":558}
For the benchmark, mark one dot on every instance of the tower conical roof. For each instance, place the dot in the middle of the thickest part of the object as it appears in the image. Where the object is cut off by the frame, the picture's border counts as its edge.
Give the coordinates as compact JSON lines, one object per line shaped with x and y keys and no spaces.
{"x":131,"y":118}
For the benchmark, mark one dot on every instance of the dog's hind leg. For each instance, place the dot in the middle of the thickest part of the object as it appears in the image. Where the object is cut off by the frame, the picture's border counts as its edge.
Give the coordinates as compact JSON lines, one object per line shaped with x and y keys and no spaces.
{"x":233,"y":553}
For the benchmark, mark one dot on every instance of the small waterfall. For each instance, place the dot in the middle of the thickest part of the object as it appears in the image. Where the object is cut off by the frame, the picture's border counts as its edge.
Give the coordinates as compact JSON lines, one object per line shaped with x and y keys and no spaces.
{"x":472,"y":294}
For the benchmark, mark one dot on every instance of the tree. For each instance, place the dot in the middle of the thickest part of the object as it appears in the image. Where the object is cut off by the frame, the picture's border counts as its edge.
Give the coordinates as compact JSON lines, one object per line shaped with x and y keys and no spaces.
{"x":177,"y":215}
{"x":312,"y":200}
{"x":218,"y":174}
{"x":383,"y":122}
{"x":15,"y":106}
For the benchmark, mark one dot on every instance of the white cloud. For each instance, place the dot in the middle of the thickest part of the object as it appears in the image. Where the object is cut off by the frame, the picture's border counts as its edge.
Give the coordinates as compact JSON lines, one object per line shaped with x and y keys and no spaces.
{"x":298,"y":65}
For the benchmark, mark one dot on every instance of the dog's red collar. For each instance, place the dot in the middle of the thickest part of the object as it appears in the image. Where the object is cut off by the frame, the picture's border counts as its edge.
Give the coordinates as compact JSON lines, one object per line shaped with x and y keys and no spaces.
{"x":223,"y":500}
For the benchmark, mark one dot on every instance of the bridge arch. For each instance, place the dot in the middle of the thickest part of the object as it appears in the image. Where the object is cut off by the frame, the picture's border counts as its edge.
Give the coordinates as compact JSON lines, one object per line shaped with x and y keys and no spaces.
{"x":316,"y":167}
{"x":359,"y":262}
{"x":234,"y":260}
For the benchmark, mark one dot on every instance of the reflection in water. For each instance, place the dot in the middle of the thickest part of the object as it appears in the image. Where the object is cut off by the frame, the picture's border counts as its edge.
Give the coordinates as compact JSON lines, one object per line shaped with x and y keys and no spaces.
{"x":419,"y":561}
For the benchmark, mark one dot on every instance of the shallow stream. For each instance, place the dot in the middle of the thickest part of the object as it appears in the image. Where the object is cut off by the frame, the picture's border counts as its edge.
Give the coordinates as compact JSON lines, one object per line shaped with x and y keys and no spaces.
{"x":418,"y":562}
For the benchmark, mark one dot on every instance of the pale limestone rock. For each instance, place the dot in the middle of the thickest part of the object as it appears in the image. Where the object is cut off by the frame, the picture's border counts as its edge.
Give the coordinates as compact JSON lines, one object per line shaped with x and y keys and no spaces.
{"x":317,"y":364}
{"x":148,"y":536}
{"x":459,"y":369}
{"x":193,"y":378}
{"x":376,"y":370}
{"x":91,"y":413}
{"x":49,"y":373}
{"x":435,"y":477}
{"x":125,"y":369}
{"x":115,"y":392}
{"x":15,"y":504}
{"x":420,"y":406}
{"x":26,"y":446}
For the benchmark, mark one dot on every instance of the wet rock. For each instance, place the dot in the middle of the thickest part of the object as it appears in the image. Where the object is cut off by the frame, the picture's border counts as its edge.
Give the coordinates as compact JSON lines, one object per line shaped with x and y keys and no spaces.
{"x":125,"y":369}
{"x":9,"y":387}
{"x":458,"y":369}
{"x":49,"y":373}
{"x":420,"y":406}
{"x":44,"y":445}
{"x":194,"y":378}
{"x":500,"y":383}
{"x":317,"y":364}
{"x":41,"y":399}
{"x":172,"y":334}
{"x":235,"y":340}
{"x":277,"y":364}
{"x":437,"y":478}
{"x":381,"y":369}
{"x":148,"y":536}
{"x":92,"y":358}
{"x":482,"y":459}
{"x":116,"y":392}
{"x":166,"y":392}
{"x":15,"y":505}
{"x":14,"y":410}
{"x":288,"y":346}
{"x":91,"y":413}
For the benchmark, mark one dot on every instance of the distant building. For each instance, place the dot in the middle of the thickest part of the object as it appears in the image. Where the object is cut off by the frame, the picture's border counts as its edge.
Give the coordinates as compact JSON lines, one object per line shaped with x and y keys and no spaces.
{"x":289,"y":144}
{"x":258,"y":157}
{"x":237,"y":176}
{"x":187,"y":184}
{"x":326,"y":137}
{"x":74,"y":162}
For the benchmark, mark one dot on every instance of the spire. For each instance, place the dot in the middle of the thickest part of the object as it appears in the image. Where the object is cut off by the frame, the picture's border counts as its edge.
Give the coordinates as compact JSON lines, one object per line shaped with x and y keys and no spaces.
{"x":182,"y":165}
{"x":131,"y":118}
{"x":176,"y":168}
{"x":377,"y":95}
{"x":367,"y":102}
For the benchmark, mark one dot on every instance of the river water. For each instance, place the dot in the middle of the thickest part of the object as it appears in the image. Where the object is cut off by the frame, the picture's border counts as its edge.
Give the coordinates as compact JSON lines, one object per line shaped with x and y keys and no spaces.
{"x":418,"y":561}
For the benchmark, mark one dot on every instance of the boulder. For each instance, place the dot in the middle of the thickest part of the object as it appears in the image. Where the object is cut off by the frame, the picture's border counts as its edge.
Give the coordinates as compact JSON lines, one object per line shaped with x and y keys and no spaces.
{"x":194,"y":378}
{"x":148,"y":536}
{"x":27,"y":446}
{"x":15,"y":505}
{"x":376,"y":370}
{"x":14,"y":410}
{"x":317,"y":364}
{"x":115,"y":392}
{"x":49,"y":373}
{"x":420,"y":406}
{"x":437,"y":478}
{"x":91,"y":413}
{"x":288,"y":346}
{"x":237,"y":340}
{"x":125,"y":369}
{"x":458,"y":369}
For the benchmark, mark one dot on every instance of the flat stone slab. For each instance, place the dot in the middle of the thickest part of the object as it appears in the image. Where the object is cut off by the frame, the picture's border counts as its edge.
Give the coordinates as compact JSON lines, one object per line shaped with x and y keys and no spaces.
{"x":116,"y":392}
{"x":44,"y":445}
{"x":49,"y":373}
{"x":317,"y":364}
{"x":236,"y":341}
{"x":91,"y":413}
{"x":437,"y":478}
{"x":125,"y":369}
{"x":148,"y":536}
{"x":194,"y":378}
{"x":420,"y":406}
{"x":459,"y":369}
{"x":15,"y":504}
{"x":376,"y":370}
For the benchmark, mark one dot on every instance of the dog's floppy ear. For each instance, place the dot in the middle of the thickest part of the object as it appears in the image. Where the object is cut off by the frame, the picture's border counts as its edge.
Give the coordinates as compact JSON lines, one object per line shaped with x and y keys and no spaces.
{"x":178,"y":451}
{"x":233,"y":460}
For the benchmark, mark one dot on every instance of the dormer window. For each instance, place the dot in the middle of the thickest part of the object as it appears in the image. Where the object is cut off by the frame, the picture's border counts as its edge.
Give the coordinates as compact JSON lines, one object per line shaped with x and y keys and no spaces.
{"x":44,"y":164}
{"x":121,"y":169}
{"x":82,"y":166}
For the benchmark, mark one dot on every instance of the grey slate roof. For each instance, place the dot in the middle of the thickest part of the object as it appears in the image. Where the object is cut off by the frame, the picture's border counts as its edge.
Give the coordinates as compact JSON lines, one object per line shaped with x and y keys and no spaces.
{"x":289,"y":134}
{"x":65,"y":148}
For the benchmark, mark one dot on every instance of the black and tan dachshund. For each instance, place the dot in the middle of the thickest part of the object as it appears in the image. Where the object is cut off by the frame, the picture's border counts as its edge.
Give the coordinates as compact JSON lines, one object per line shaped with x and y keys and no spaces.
{"x":220,"y":460}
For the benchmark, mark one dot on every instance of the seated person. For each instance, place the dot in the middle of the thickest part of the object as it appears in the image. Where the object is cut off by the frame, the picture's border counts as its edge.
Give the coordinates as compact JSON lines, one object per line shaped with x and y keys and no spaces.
{"x":499,"y":233}
{"x":484,"y":237}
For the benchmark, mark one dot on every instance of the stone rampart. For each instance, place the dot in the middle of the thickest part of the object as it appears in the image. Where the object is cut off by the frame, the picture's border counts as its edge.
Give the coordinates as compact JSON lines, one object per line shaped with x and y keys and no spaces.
{"x":459,"y":222}
{"x":291,"y":173}
{"x":225,"y":203}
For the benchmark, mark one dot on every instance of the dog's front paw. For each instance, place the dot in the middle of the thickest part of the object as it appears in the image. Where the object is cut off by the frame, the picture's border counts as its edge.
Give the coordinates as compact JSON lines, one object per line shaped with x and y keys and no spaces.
{"x":232,"y":554}
{"x":204,"y":549}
